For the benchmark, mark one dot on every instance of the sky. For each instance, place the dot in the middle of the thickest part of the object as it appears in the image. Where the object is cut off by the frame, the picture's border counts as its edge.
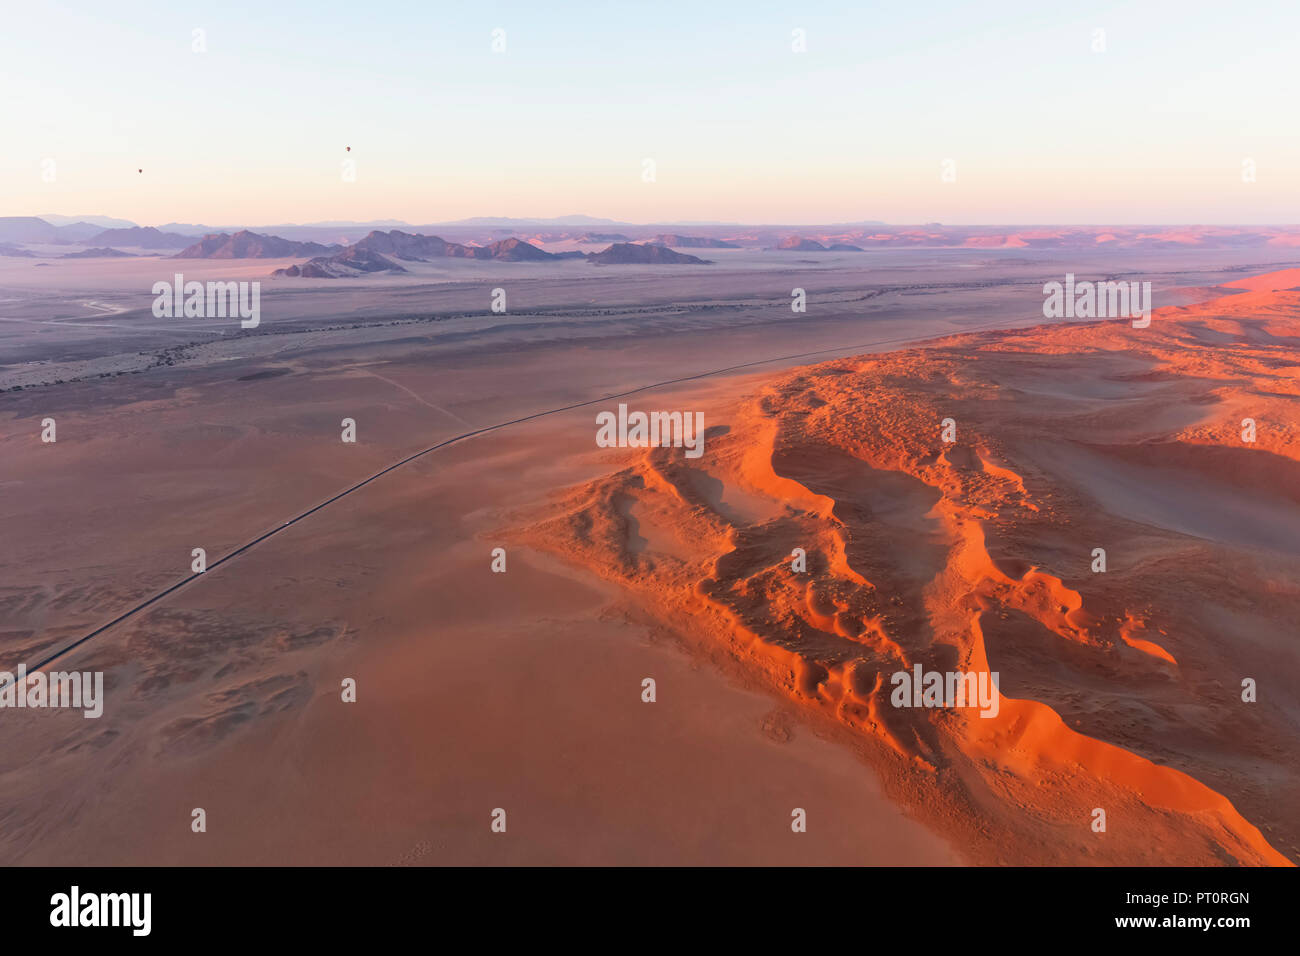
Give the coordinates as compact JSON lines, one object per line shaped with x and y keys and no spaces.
{"x":1000,"y":111}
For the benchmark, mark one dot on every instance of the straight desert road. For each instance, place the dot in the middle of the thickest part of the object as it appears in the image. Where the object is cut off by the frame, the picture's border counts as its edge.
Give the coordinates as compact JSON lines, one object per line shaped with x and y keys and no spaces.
{"x":214,"y":565}
{"x":476,"y":691}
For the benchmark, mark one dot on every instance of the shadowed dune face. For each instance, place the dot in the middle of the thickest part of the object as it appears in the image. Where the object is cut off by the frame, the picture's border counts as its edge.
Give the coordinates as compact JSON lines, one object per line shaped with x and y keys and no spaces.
{"x":1120,"y":690}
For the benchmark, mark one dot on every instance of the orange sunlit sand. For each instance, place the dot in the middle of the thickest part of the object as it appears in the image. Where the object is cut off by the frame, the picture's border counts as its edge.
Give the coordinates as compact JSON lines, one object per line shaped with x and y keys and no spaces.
{"x":1121,"y":689}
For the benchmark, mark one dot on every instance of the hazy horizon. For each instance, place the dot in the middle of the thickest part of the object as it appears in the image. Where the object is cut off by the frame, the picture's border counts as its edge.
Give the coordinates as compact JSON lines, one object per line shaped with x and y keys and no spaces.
{"x":579,"y":220}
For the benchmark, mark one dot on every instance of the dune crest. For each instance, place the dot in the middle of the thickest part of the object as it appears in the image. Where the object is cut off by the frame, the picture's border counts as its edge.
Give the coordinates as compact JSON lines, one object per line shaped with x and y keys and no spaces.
{"x":1121,"y":686}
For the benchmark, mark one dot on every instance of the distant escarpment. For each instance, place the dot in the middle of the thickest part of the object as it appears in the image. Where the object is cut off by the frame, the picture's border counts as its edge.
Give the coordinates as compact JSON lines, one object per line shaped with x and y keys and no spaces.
{"x":250,"y":245}
{"x":142,"y":237}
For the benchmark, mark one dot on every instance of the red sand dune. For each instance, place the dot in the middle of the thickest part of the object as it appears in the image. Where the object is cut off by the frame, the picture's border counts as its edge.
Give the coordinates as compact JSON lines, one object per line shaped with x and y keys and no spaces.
{"x":1279,"y":281}
{"x":1120,"y":690}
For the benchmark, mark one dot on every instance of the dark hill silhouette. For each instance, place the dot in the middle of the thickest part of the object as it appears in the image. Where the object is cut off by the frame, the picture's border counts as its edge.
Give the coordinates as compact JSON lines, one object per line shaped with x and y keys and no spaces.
{"x":796,"y":244}
{"x":350,"y":262}
{"x":250,"y":245}
{"x":629,"y":253}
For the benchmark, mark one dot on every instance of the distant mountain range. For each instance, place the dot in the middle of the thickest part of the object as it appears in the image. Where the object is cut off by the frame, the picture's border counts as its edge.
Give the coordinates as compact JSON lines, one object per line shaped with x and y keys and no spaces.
{"x":103,"y":222}
{"x":250,"y":245}
{"x":142,"y":237}
{"x":378,"y":251}
{"x":477,"y":229}
{"x":39,"y":231}
{"x":547,"y":239}
{"x":27,"y":229}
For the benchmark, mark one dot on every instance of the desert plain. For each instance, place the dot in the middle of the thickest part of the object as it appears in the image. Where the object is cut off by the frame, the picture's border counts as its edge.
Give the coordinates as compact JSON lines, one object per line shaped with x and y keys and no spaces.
{"x":478,"y":690}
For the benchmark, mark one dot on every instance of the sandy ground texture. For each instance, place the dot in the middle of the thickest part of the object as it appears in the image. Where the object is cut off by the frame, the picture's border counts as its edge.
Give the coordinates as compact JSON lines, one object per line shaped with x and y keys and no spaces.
{"x":523,"y":690}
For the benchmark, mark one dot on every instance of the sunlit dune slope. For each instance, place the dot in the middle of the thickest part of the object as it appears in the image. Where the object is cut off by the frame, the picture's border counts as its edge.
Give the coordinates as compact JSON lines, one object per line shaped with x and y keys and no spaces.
{"x":1121,"y":690}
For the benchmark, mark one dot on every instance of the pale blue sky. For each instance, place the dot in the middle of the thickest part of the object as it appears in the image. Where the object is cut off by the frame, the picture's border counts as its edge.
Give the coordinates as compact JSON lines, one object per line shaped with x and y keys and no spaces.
{"x":1040,"y":128}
